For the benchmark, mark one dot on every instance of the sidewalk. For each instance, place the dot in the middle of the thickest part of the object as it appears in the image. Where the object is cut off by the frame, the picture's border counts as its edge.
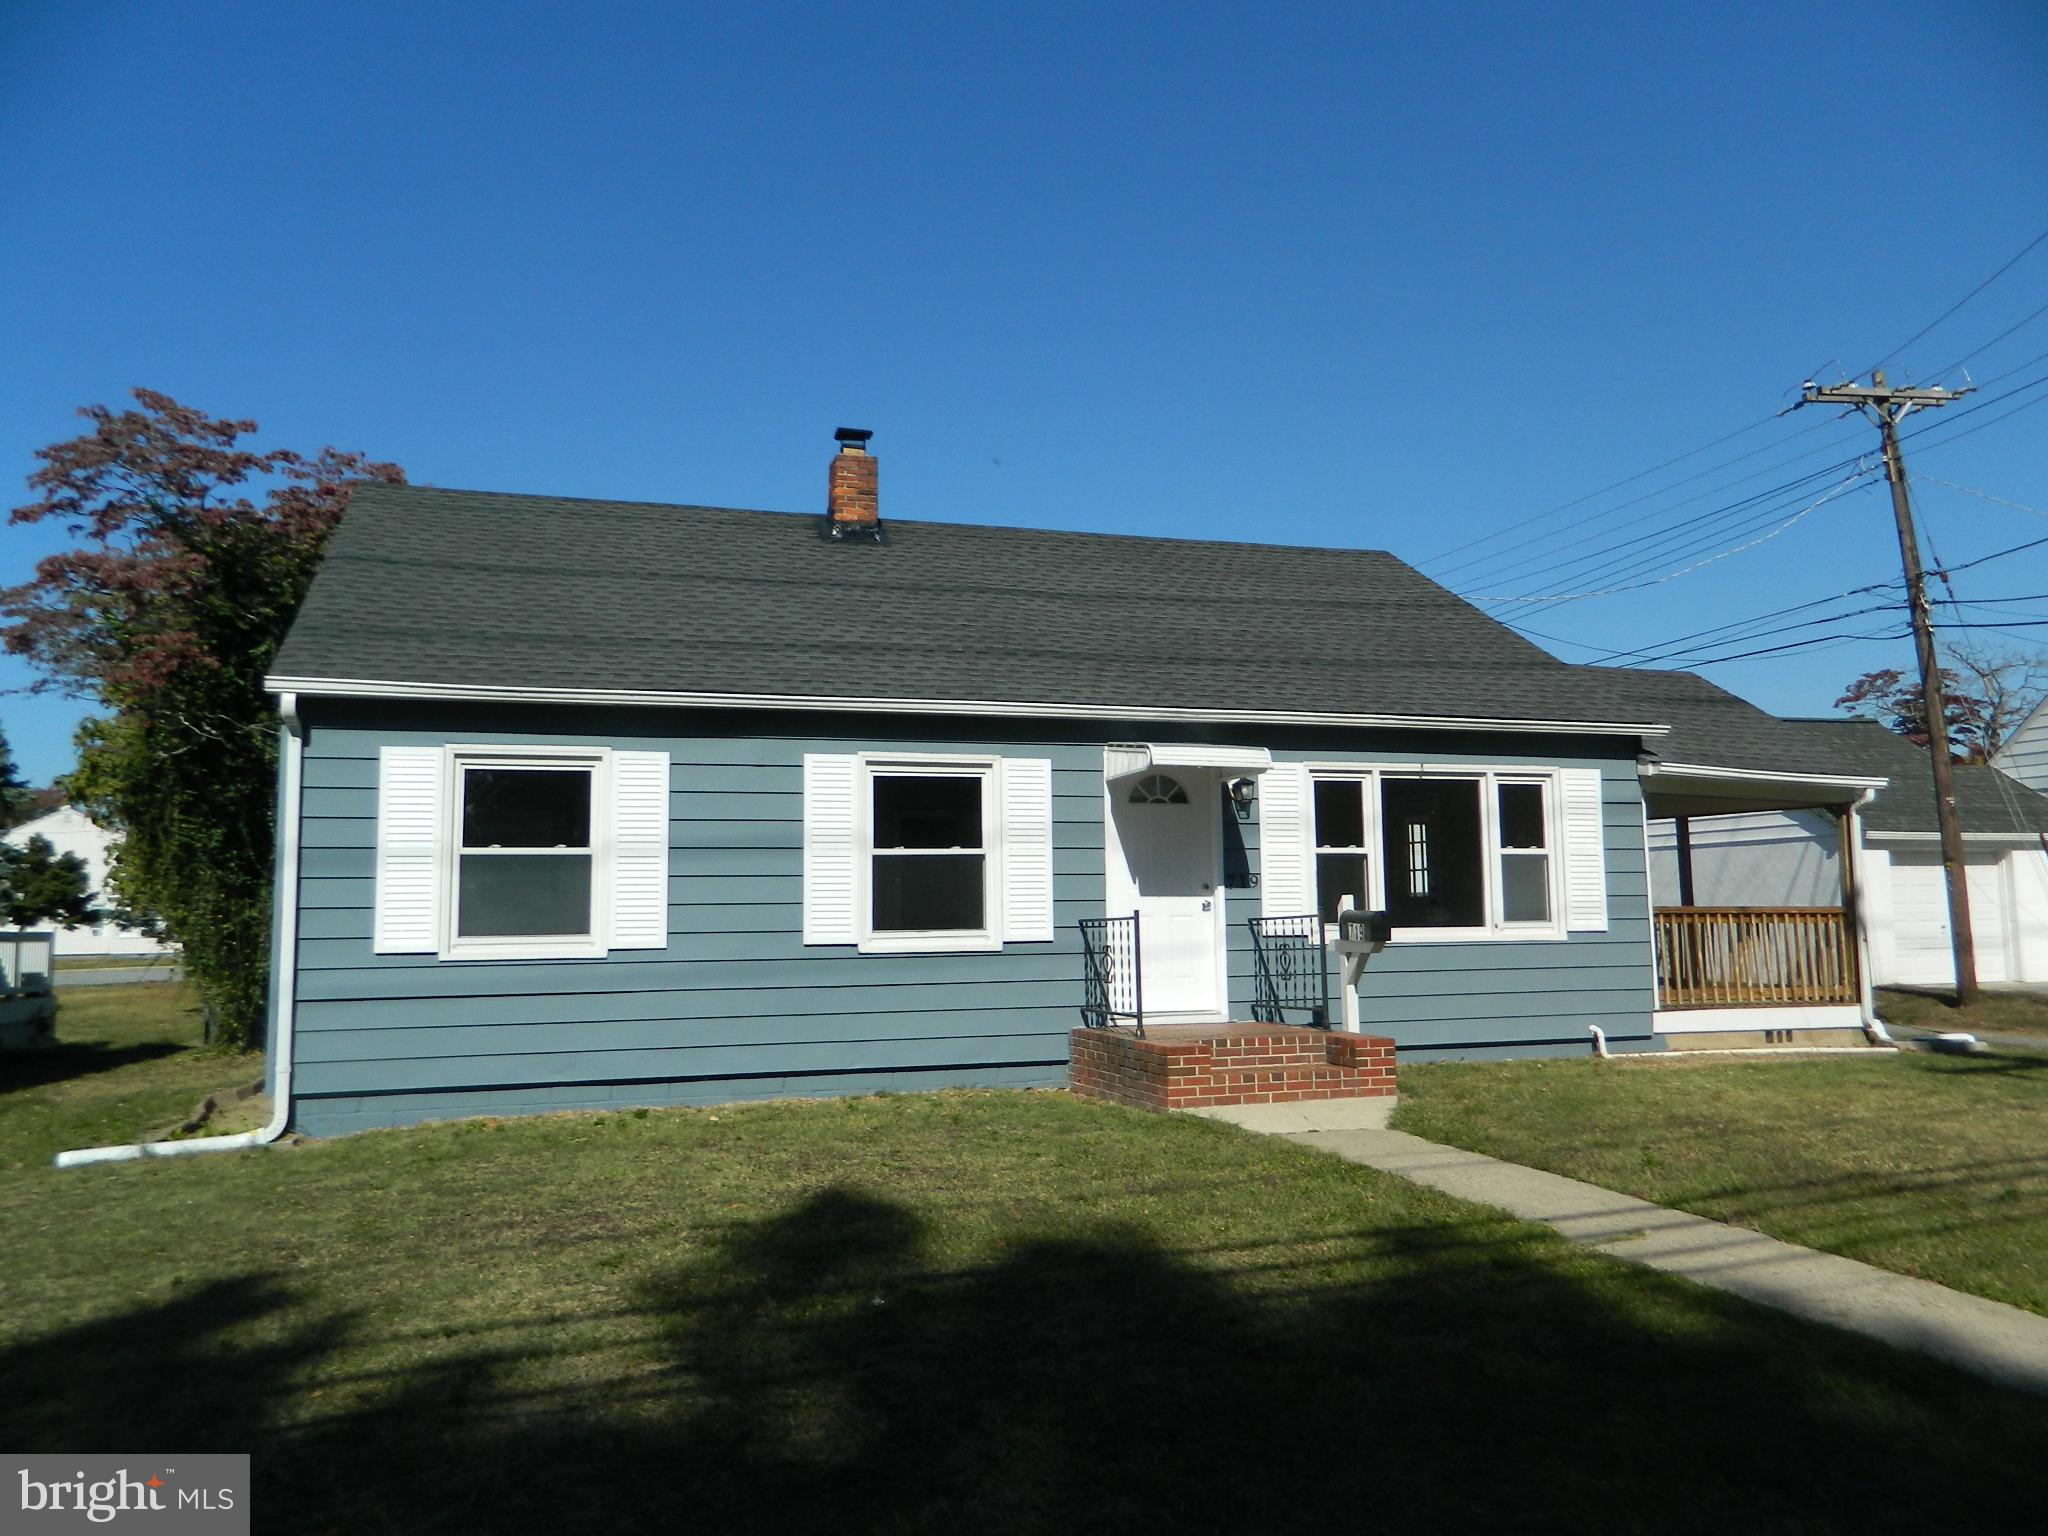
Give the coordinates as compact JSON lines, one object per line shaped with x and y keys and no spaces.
{"x":2004,"y":1343}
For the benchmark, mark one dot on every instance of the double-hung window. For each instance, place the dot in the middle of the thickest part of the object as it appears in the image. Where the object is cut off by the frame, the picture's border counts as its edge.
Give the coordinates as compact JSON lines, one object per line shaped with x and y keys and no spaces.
{"x":1446,"y":854}
{"x":1524,"y":822}
{"x":525,"y":855}
{"x":1343,"y":859}
{"x":929,"y":857}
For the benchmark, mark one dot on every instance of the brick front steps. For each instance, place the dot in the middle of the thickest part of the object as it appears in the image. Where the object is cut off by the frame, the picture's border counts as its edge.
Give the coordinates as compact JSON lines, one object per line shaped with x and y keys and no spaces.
{"x":1199,"y":1066}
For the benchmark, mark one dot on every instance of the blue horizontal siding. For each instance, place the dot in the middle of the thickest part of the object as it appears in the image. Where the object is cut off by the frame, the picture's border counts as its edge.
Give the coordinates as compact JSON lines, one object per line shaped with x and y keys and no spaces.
{"x":337,"y":1114}
{"x":737,"y":1006}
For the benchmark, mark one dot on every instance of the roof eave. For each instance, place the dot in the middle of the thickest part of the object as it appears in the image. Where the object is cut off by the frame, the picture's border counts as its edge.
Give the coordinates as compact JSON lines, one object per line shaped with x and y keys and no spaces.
{"x":1761,"y":775}
{"x":371,"y":688}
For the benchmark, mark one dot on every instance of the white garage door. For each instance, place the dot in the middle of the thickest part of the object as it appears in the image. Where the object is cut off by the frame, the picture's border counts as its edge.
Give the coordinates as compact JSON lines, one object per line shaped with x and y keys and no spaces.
{"x":1920,"y":943}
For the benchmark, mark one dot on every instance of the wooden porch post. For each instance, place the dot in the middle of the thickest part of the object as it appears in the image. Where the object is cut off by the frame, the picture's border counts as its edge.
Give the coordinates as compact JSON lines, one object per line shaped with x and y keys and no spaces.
{"x":1683,"y":825}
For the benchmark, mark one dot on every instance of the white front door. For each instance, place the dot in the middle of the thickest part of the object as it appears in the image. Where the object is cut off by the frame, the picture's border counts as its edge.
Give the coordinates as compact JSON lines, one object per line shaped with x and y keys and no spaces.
{"x":1169,"y":834}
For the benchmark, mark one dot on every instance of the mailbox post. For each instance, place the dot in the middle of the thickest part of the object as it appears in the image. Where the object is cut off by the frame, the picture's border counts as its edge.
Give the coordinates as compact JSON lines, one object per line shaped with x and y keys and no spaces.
{"x":1360,"y":936}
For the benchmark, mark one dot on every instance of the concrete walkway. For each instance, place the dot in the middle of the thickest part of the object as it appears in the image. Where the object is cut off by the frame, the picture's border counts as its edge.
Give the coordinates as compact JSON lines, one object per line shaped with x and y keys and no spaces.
{"x":2006,"y":1344}
{"x":2025,"y":1045}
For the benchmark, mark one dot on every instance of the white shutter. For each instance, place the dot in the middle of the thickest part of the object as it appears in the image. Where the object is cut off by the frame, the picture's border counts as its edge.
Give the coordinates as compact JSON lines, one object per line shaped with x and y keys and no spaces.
{"x":411,"y":785}
{"x":830,"y":782}
{"x":1585,"y":851}
{"x":639,"y":850}
{"x":1287,"y":886}
{"x":1025,"y":786}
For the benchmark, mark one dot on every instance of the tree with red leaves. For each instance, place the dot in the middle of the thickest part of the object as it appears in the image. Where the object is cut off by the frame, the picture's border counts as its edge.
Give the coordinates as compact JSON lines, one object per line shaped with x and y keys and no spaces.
{"x":1894,"y":701}
{"x":195,"y":552}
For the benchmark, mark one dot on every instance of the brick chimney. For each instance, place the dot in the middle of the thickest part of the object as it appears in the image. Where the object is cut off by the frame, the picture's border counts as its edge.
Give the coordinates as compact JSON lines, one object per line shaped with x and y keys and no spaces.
{"x":850,"y":500}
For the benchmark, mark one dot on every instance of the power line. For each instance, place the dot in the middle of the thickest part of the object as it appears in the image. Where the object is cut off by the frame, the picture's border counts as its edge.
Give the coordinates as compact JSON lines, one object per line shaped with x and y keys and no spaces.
{"x":2017,"y":506}
{"x":1795,"y":645}
{"x":1738,"y":624}
{"x":1579,"y":501}
{"x":2000,"y":554}
{"x":1992,"y":629}
{"x":1630,"y":557}
{"x":1959,"y":303}
{"x":1675,"y":653}
{"x":1994,"y":341}
{"x":1994,"y":421}
{"x":1533,"y":569}
{"x":1635,"y":501}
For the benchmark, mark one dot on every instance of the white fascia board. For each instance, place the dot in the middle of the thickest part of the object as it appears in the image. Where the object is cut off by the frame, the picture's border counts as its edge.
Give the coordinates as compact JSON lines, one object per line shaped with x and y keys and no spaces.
{"x":1981,"y":839}
{"x":462,"y":693}
{"x":1759,"y":776}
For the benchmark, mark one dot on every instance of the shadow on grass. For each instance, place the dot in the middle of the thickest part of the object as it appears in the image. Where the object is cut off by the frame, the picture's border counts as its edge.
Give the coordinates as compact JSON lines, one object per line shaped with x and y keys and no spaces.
{"x":76,"y":1058}
{"x":819,"y":1370}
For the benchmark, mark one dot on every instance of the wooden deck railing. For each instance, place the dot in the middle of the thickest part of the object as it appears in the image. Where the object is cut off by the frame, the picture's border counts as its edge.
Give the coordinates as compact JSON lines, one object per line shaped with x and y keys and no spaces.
{"x":1722,"y":957}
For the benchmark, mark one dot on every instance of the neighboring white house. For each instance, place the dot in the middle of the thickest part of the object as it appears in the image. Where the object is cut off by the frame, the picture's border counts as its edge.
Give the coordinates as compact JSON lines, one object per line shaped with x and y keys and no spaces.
{"x":2025,"y":753}
{"x":1789,"y":858}
{"x":70,"y":830}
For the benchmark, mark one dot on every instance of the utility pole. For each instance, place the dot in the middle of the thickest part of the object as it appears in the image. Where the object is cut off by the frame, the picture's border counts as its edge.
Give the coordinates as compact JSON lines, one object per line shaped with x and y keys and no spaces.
{"x":1887,"y":407}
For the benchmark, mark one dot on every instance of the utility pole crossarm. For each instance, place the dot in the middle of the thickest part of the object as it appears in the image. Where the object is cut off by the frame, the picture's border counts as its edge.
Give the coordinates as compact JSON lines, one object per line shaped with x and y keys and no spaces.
{"x":1878,"y":394}
{"x":1887,"y":406}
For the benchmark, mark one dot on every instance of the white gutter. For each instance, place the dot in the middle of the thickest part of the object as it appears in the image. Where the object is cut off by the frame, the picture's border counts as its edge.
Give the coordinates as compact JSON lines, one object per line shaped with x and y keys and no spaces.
{"x":1654,"y":769}
{"x":1975,"y":839}
{"x":283,"y":980}
{"x":372,"y":688}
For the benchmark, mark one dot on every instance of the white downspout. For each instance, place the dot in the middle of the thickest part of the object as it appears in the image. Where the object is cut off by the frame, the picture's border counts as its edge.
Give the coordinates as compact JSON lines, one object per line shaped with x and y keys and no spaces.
{"x":1866,"y":1000}
{"x":283,"y":979}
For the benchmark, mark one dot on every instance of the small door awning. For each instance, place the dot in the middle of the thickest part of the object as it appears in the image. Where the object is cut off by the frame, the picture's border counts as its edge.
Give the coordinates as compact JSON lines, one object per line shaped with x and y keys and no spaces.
{"x":1124,"y":759}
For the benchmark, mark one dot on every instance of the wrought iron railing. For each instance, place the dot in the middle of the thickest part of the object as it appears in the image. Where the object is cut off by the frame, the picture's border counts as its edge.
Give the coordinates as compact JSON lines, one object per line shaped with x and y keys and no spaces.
{"x":1719,"y":957}
{"x":1113,"y":976}
{"x":1290,"y":970}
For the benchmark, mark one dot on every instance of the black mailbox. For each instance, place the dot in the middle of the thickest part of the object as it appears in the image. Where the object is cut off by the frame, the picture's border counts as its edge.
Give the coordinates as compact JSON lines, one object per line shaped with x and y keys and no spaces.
{"x":1358,"y":927}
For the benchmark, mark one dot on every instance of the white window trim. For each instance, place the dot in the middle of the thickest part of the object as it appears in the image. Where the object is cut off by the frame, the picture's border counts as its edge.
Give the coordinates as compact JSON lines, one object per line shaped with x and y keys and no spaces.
{"x":1496,"y":929}
{"x":597,"y":944}
{"x":1374,"y":848}
{"x":939,"y":941}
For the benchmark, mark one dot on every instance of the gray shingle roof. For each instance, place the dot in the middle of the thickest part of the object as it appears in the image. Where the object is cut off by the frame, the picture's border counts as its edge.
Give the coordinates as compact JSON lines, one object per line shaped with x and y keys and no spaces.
{"x":481,"y":589}
{"x":1711,"y":727}
{"x":1986,"y":799}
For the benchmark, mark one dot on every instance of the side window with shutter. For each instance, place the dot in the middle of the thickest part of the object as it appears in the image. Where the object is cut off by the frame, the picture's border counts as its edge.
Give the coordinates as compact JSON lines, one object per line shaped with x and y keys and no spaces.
{"x":503,"y":853}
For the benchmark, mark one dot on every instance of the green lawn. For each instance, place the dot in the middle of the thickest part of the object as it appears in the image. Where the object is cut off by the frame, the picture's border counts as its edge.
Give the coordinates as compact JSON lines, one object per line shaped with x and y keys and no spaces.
{"x":115,"y":962}
{"x":1934,"y":1166}
{"x":1994,"y":1013}
{"x":945,"y":1313}
{"x":127,"y":1063}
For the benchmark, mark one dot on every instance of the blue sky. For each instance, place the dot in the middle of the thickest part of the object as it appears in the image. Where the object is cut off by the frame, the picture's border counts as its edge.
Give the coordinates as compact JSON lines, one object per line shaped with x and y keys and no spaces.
{"x":1391,"y":276}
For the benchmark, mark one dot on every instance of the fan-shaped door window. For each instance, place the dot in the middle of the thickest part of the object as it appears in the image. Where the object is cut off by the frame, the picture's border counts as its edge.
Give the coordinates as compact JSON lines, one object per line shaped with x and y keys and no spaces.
{"x":1158,"y":789}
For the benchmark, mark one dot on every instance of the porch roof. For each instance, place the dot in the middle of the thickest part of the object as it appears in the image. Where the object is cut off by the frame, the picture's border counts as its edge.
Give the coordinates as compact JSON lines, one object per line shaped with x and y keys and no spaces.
{"x":1125,"y":759}
{"x":1723,"y":754}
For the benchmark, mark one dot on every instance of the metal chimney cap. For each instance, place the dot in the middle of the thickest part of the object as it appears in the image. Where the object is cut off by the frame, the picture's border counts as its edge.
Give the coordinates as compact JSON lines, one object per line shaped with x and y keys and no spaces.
{"x":855,"y":435}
